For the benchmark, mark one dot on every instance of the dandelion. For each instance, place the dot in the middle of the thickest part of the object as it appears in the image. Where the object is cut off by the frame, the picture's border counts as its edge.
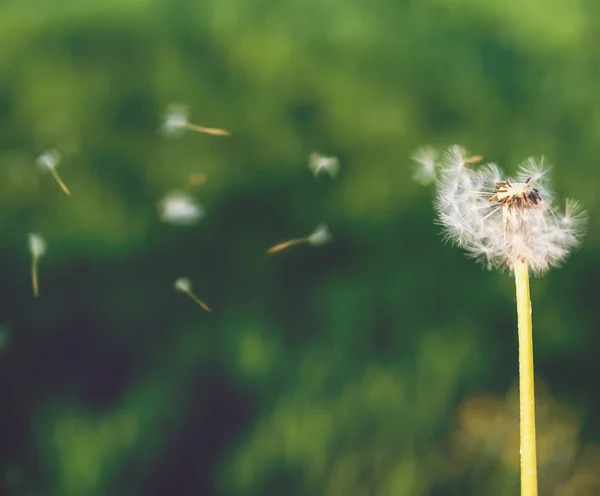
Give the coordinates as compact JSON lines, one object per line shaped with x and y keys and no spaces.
{"x":184,"y":285}
{"x":176,"y":121}
{"x":48,"y":161}
{"x":514,"y":224}
{"x":37,"y":247}
{"x":501,"y":221}
{"x":319,"y":236}
{"x":180,"y":209}
{"x":320,"y":163}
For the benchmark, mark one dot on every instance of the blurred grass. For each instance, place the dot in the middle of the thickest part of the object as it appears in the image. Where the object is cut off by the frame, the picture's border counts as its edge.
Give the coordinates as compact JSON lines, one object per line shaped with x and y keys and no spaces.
{"x":338,"y":370}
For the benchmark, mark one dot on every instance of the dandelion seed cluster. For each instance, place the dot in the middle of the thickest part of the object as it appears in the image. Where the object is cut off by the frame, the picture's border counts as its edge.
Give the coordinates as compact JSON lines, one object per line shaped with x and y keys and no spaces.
{"x":498,"y":220}
{"x":176,"y":207}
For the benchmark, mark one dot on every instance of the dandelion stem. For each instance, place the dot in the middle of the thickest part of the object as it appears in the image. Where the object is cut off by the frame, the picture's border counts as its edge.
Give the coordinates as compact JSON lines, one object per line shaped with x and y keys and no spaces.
{"x":60,"y":182}
{"x":286,"y":244}
{"x":199,"y":301}
{"x":207,"y":130}
{"x":34,"y":278}
{"x":526,"y":382}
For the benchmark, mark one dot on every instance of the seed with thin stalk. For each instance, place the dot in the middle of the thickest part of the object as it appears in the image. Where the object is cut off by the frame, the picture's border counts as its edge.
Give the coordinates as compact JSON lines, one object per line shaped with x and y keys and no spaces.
{"x":180,"y":209}
{"x":319,"y":236}
{"x":49,"y":161}
{"x":184,"y":285}
{"x":320,"y":163}
{"x":514,"y":224}
{"x":176,"y":122}
{"x":37,"y":247}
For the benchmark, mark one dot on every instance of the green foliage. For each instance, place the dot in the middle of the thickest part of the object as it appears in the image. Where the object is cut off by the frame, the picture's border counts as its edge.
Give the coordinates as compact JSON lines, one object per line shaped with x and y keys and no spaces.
{"x":334,"y":370}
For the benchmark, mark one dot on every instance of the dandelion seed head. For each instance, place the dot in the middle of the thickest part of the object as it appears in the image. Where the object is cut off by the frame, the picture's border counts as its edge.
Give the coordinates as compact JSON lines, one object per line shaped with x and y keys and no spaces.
{"x":519,"y":196}
{"x":175,"y":119}
{"x":183,"y":285}
{"x":320,"y":236}
{"x":49,"y":159}
{"x":37,"y":245}
{"x":319,"y":163}
{"x":498,"y":219}
{"x":180,"y":209}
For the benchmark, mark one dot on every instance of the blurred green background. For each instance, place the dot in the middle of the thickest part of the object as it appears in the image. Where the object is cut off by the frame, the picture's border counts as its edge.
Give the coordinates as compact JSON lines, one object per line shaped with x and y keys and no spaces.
{"x":381,"y":364}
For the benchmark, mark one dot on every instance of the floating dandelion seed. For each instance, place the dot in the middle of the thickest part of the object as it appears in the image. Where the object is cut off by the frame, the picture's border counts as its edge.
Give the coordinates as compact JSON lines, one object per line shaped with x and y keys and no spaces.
{"x":180,"y":209}
{"x":176,"y":121}
{"x":198,"y":179}
{"x":319,"y":236}
{"x":184,"y":285}
{"x":49,"y":161}
{"x":37,"y":247}
{"x":514,"y":224}
{"x":426,"y":170}
{"x":319,"y":163}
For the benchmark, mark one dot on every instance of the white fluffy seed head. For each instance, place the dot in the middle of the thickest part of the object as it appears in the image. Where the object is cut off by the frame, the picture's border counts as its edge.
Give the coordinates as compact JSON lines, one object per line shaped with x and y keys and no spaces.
{"x":183,"y":285}
{"x":319,"y":163}
{"x":180,"y":209}
{"x":175,"y":119}
{"x":320,"y":236}
{"x":37,"y":245}
{"x":49,"y":159}
{"x":496,"y":219}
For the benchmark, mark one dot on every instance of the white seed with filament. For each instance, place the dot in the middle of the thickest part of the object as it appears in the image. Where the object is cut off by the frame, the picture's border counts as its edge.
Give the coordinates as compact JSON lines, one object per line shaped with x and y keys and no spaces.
{"x":319,"y":163}
{"x":49,"y":161}
{"x":176,"y":122}
{"x":37,"y":247}
{"x":180,"y":209}
{"x":320,"y":236}
{"x":184,"y":285}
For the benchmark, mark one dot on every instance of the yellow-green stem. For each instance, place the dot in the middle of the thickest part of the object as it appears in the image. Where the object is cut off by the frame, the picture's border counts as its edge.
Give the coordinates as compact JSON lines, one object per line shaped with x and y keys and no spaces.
{"x":526,"y":382}
{"x":34,"y":278}
{"x":60,"y":182}
{"x":198,"y":300}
